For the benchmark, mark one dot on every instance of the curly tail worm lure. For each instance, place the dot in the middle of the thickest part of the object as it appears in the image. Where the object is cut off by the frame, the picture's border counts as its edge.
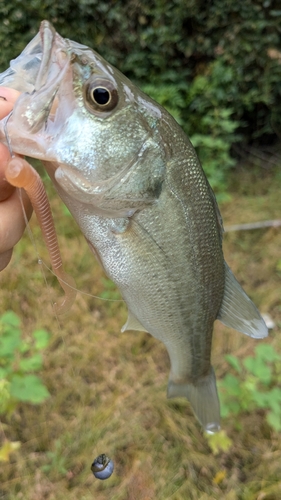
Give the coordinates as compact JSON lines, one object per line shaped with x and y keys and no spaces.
{"x":21,"y":174}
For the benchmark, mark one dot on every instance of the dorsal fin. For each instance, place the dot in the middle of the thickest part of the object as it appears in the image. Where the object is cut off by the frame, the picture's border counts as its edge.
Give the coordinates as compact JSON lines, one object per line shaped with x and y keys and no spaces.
{"x":238,"y":311}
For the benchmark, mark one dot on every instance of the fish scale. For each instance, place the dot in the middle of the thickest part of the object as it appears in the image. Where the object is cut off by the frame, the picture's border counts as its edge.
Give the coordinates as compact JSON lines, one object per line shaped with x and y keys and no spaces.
{"x":133,"y":182}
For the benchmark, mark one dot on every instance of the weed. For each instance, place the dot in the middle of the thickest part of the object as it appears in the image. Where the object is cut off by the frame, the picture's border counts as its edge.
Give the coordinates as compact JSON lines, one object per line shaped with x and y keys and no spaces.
{"x":19,"y":359}
{"x":254,"y":386}
{"x":219,"y":441}
{"x":109,"y":290}
{"x":57,"y":461}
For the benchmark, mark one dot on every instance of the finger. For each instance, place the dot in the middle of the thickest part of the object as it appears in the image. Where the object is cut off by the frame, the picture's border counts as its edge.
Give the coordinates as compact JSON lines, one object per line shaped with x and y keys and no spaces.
{"x":5,"y":259}
{"x":12,"y":223}
{"x":8,"y":94}
{"x":5,"y":188}
{"x":7,"y":100}
{"x":5,"y":107}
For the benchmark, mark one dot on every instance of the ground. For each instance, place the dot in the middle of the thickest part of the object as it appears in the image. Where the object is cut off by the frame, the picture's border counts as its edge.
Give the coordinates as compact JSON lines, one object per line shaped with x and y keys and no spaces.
{"x":108,"y":389}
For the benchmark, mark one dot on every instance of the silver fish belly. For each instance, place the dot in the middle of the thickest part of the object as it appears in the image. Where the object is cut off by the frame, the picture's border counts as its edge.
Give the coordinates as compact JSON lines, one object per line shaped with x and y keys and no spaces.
{"x":133,"y":182}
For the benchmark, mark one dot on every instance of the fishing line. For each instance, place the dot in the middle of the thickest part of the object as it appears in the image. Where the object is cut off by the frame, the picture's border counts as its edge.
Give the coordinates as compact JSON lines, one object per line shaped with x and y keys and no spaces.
{"x":19,"y":192}
{"x":43,"y":264}
{"x":7,"y":135}
{"x":40,"y":261}
{"x":81,"y":291}
{"x":62,"y":335}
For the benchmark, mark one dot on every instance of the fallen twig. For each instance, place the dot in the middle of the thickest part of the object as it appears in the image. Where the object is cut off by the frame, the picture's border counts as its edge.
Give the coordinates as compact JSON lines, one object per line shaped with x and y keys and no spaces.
{"x":253,"y":225}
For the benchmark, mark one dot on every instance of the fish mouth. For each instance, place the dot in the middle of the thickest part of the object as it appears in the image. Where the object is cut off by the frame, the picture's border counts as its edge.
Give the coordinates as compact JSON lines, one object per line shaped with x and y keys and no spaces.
{"x":44,"y":62}
{"x":32,"y":110}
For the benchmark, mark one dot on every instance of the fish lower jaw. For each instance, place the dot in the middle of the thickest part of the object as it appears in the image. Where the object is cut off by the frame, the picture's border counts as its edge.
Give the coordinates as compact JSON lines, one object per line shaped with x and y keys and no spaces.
{"x":22,"y":143}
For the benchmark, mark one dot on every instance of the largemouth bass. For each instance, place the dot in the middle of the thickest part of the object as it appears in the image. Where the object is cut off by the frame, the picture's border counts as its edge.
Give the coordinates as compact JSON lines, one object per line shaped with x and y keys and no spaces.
{"x":133,"y":182}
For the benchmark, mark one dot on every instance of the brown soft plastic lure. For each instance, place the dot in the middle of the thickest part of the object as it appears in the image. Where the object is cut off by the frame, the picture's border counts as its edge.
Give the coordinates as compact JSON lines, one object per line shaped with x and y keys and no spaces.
{"x":21,"y":174}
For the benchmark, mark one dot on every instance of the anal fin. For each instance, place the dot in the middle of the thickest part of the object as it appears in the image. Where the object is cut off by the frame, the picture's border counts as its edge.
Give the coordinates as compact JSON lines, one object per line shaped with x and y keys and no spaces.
{"x":203,"y":398}
{"x":132,"y":323}
{"x":238,"y":311}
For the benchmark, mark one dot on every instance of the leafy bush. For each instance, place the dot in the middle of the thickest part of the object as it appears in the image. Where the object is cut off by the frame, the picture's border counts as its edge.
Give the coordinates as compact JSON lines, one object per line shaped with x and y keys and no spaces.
{"x":256,"y":385}
{"x":215,"y":64}
{"x":172,"y":43}
{"x":210,"y":128}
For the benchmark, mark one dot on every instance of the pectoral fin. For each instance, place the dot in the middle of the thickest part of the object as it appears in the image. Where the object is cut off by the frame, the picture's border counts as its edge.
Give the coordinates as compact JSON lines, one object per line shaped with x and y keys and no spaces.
{"x":238,"y":311}
{"x":132,"y":323}
{"x":203,"y":398}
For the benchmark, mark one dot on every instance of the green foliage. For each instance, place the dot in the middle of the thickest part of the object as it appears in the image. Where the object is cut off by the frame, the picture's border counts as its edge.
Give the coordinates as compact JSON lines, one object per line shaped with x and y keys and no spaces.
{"x":216,"y":65}
{"x":172,"y":44}
{"x":256,"y":384}
{"x":219,"y":442}
{"x":211,"y":125}
{"x":170,"y":97}
{"x":200,"y":108}
{"x":109,"y":291}
{"x":19,"y":359}
{"x":7,"y":448}
{"x":56,"y":461}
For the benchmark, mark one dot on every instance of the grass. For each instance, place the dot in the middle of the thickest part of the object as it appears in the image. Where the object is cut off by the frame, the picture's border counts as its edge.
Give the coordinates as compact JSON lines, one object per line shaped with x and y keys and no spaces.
{"x":108,"y":389}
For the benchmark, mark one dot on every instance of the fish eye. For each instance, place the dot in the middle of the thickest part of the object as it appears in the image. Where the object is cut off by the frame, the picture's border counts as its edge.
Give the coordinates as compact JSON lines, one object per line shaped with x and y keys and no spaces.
{"x":101,"y":95}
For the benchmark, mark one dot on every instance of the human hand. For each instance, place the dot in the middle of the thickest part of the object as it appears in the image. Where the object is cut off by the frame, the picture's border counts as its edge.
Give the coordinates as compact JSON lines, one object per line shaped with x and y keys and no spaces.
{"x":12,"y":223}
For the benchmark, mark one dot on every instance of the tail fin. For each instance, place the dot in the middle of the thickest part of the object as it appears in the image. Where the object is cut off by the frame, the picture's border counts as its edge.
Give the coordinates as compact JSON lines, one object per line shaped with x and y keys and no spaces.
{"x":203,"y":398}
{"x":238,"y":311}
